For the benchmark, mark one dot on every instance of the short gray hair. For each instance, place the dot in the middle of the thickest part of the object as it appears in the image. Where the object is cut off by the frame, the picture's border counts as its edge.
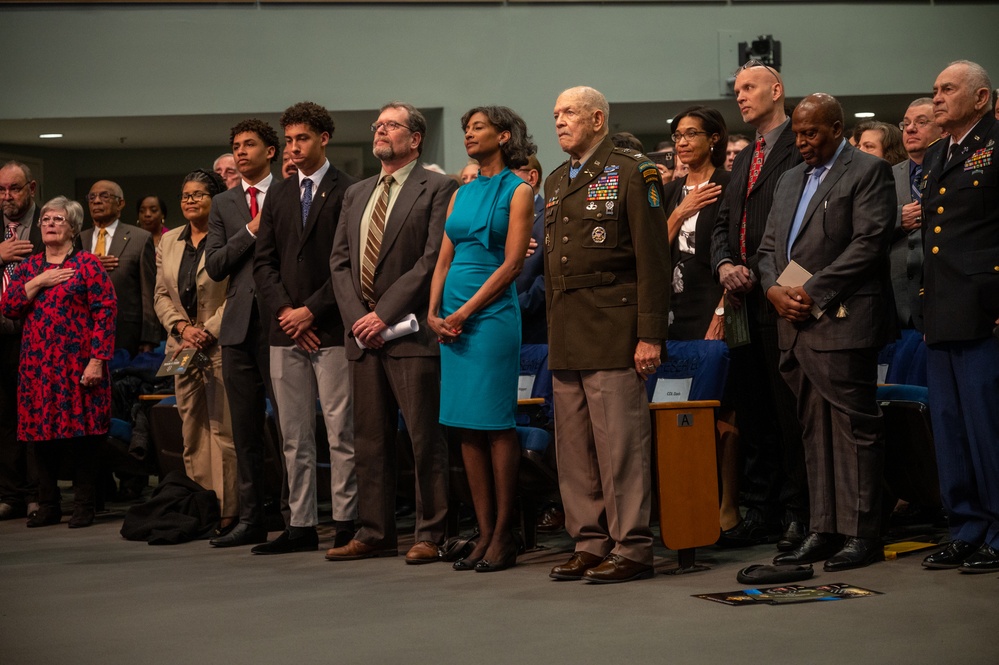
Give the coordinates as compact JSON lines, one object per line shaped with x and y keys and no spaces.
{"x":591,"y":98}
{"x":73,"y":210}
{"x":14,"y":164}
{"x":976,"y":75}
{"x":922,"y":101}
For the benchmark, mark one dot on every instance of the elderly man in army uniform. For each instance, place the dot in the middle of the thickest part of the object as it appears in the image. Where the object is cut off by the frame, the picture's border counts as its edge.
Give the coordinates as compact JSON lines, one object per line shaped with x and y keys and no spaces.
{"x":607,"y":277}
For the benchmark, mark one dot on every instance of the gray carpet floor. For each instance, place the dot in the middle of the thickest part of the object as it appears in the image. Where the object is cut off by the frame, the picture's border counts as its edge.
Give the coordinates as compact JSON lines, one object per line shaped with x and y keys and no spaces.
{"x":88,"y":596}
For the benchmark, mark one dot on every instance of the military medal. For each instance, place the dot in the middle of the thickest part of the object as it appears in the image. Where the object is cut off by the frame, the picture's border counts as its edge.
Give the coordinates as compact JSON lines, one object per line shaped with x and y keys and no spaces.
{"x":599,"y":235}
{"x":610,"y":207}
{"x":591,"y":206}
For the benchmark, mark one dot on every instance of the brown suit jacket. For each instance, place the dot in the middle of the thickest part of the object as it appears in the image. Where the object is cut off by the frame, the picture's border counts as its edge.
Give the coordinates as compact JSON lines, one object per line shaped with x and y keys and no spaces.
{"x":406,"y":262}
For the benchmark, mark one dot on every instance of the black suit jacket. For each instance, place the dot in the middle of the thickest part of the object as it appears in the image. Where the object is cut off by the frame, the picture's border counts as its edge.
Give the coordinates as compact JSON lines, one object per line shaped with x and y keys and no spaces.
{"x":706,"y":218}
{"x":11,"y":351}
{"x":843,"y":243}
{"x":229,"y":253}
{"x":411,"y":243}
{"x":961,"y":237}
{"x":725,"y":240}
{"x":291,"y":265}
{"x":531,"y":284}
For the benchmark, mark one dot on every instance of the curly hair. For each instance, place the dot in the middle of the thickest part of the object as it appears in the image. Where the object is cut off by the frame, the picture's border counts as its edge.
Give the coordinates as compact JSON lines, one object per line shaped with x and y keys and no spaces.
{"x":308,"y":113}
{"x":210,"y":179}
{"x":261,"y":129}
{"x":713,"y":123}
{"x":520,"y":146}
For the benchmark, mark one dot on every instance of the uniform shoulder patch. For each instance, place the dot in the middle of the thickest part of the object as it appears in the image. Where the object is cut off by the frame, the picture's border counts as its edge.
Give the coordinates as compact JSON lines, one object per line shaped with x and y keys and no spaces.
{"x":654,"y":200}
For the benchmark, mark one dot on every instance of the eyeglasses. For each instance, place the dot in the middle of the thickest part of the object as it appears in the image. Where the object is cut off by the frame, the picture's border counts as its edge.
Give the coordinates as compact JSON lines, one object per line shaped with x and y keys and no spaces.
{"x":52,"y":220}
{"x":102,"y":196}
{"x":388,"y":126}
{"x":751,"y":64}
{"x":687,"y":135}
{"x":922,"y":122}
{"x":197,"y":197}
{"x":13,"y":190}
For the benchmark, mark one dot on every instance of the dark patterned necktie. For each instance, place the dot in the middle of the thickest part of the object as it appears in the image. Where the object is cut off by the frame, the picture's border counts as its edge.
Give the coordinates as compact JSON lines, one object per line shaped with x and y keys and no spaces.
{"x":306,"y":201}
{"x":8,"y":270}
{"x":754,"y":173}
{"x":376,"y":229}
{"x":914,"y":178}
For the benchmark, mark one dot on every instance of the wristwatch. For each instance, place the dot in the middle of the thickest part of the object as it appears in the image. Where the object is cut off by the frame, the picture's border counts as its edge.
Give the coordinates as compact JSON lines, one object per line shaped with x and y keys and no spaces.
{"x":720,"y":311}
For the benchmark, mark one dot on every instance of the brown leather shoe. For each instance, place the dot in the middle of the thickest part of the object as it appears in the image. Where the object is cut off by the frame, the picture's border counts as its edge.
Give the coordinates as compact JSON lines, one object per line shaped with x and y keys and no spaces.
{"x":423,"y":552}
{"x":615,"y":568}
{"x":574,"y":568}
{"x":355,"y":550}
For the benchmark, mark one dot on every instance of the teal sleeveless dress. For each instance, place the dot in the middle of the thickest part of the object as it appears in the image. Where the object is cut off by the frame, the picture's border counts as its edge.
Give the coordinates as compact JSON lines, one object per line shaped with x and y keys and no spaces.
{"x":479,"y":371}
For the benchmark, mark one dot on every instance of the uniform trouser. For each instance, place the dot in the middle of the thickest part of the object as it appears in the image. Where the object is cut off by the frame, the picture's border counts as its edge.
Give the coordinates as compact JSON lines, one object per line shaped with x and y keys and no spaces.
{"x":963,"y":382}
{"x":297,"y":377}
{"x":603,"y":440}
{"x":843,"y":436}
{"x":209,"y":452}
{"x":382,"y":386}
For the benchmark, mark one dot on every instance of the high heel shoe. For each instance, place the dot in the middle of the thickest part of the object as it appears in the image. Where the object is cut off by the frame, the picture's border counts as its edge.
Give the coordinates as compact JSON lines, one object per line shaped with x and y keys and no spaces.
{"x":508,"y":561}
{"x":466,"y":563}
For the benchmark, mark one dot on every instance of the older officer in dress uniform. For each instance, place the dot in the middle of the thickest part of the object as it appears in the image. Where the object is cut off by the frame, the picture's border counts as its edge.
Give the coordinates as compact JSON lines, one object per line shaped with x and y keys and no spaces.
{"x":961,"y":313}
{"x":607,"y":286}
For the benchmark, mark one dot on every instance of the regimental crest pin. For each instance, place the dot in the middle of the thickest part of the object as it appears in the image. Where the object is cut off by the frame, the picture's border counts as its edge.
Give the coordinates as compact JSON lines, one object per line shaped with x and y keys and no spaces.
{"x":599,"y":235}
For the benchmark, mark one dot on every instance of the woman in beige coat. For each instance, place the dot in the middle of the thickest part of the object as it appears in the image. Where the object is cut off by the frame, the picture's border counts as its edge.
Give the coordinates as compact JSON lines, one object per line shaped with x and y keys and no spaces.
{"x":189,"y":304}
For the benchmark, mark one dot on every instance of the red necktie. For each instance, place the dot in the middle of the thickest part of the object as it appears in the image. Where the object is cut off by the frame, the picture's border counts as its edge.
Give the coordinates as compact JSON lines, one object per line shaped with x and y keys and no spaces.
{"x":754,"y":173}
{"x":254,"y":207}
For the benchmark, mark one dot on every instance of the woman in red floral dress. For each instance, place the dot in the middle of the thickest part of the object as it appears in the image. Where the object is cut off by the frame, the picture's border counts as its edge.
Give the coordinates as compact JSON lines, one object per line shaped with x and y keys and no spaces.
{"x":68,"y":306}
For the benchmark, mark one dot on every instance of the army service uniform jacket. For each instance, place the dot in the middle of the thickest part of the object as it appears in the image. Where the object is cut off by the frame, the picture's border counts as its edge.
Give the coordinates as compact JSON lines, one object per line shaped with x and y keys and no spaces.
{"x":607,"y":261}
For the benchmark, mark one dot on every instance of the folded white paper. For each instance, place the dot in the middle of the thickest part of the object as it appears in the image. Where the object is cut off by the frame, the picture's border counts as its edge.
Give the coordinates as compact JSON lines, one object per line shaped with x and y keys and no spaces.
{"x":407,"y":326}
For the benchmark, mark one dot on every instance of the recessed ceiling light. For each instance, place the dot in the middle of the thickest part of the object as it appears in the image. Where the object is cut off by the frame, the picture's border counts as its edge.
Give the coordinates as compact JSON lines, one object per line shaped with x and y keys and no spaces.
{"x":863,"y":114}
{"x":50,"y":136}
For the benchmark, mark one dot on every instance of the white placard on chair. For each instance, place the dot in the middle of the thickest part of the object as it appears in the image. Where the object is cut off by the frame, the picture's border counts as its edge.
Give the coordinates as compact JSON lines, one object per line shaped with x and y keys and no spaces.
{"x":672,"y":390}
{"x":525,"y":385}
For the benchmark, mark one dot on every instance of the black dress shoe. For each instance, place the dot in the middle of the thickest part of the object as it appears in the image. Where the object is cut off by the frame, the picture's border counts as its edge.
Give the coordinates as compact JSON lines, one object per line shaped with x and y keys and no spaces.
{"x":793,"y":536}
{"x":751,"y":530}
{"x":815,"y":547}
{"x":239,"y":535}
{"x":83,"y":516}
{"x":305,"y":541}
{"x":508,"y":561}
{"x":856,"y":553}
{"x":223,"y":530}
{"x":985,"y":560}
{"x":45,"y":517}
{"x":576,"y":566}
{"x":465,"y":564}
{"x":951,"y":556}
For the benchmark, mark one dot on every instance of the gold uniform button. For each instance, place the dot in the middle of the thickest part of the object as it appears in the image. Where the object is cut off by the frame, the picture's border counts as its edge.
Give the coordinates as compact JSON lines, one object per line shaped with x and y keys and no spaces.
{"x":565,"y":259}
{"x":565,"y":238}
{"x":937,"y":229}
{"x":940,"y":210}
{"x":996,"y":268}
{"x":565,"y":219}
{"x":943,"y":190}
{"x":975,"y":183}
{"x":935,"y":250}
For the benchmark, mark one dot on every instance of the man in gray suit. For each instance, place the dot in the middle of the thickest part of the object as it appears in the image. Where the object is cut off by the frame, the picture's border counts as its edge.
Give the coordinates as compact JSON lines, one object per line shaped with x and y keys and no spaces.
{"x":232,"y":236}
{"x":833,"y":216}
{"x":383,"y":258}
{"x":918,"y":133}
{"x":129,"y":257}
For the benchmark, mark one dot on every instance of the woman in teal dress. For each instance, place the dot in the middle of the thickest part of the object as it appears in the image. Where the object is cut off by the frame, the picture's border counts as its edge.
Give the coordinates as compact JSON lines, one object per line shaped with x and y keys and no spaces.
{"x":475,"y":313}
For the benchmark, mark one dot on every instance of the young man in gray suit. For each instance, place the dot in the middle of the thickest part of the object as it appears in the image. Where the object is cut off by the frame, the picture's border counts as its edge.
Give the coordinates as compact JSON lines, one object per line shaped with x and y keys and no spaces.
{"x":383,"y":260}
{"x":833,"y":216}
{"x":232,"y":235}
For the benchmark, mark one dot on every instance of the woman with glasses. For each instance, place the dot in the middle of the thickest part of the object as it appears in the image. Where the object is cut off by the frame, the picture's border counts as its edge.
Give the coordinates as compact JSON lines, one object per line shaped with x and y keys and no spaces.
{"x":189,"y":304}
{"x":67,"y":304}
{"x":698,"y":302}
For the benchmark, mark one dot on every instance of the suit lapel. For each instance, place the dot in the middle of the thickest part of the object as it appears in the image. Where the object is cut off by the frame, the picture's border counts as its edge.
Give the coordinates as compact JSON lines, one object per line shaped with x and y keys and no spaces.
{"x":121,"y":237}
{"x":783,"y":145}
{"x":593,"y":167}
{"x":410,"y":192}
{"x":242,"y":207}
{"x":836,"y":172}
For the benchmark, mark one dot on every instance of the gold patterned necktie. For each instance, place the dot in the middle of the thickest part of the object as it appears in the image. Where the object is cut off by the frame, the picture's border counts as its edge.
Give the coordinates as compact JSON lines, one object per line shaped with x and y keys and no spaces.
{"x":101,"y":248}
{"x":376,"y":229}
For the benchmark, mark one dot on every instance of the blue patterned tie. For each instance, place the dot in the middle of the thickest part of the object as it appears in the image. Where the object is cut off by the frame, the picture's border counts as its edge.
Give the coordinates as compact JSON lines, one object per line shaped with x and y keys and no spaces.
{"x":799,"y":216}
{"x":306,"y":201}
{"x":574,"y":170}
{"x":914,"y":178}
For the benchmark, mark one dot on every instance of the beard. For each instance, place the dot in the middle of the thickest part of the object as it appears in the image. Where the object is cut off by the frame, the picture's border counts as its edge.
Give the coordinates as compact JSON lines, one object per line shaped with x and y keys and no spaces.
{"x":384,"y":152}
